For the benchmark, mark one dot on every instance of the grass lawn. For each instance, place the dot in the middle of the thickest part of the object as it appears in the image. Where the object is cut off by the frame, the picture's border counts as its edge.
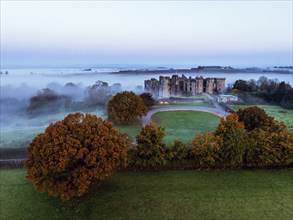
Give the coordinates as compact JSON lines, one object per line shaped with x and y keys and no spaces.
{"x":279,"y":113}
{"x":131,"y":129}
{"x":184,"y":125}
{"x":241,"y":194}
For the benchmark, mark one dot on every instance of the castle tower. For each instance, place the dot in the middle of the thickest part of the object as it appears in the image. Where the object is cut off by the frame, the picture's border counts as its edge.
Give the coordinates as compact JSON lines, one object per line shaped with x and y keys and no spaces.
{"x":220,"y":85}
{"x":165,"y":90}
{"x":199,"y":85}
{"x":209,"y":85}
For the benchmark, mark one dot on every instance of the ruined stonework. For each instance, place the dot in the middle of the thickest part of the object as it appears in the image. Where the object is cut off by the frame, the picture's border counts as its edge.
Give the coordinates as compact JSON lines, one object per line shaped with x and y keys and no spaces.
{"x":182,"y":86}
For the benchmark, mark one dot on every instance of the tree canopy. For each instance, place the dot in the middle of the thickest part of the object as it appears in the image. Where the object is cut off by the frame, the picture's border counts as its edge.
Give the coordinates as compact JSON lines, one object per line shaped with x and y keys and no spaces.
{"x":126,"y":107}
{"x":150,"y":150}
{"x":255,"y":117}
{"x":147,"y":99}
{"x":73,"y":154}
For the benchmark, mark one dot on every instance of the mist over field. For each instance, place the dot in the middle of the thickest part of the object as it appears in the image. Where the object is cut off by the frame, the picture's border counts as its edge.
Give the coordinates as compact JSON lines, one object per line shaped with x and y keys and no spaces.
{"x":71,"y":88}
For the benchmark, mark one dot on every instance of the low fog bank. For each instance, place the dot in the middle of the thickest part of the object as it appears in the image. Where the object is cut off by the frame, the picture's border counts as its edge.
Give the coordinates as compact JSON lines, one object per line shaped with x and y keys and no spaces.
{"x":21,"y":106}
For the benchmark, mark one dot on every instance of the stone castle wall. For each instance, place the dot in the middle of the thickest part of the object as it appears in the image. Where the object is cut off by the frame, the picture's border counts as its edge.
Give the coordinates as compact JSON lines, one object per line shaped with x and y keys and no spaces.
{"x":182,"y":86}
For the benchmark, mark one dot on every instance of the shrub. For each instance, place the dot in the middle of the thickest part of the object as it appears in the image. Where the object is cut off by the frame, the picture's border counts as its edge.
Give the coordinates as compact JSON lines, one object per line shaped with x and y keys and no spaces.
{"x":74,"y":154}
{"x":205,"y":150}
{"x":150,"y":152}
{"x":126,"y":107}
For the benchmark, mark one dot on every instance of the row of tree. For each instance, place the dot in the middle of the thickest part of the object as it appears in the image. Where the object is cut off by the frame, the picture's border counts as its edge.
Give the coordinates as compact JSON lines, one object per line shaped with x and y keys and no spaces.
{"x":270,"y":90}
{"x":75,"y":154}
{"x":249,"y":138}
{"x":48,"y":101}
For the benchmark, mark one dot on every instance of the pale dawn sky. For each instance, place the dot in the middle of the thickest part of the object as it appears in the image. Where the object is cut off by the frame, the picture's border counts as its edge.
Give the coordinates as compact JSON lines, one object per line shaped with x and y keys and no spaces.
{"x":187,"y":33}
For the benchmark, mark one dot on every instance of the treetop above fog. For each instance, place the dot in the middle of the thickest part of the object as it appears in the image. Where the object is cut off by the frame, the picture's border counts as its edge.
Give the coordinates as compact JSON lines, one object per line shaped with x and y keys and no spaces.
{"x":126,"y":107}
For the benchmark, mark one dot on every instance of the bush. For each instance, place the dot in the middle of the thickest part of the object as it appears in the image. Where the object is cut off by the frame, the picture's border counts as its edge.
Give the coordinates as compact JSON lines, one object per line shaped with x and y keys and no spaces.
{"x":150,"y":152}
{"x":74,"y":154}
{"x":206,"y":150}
{"x":126,"y":107}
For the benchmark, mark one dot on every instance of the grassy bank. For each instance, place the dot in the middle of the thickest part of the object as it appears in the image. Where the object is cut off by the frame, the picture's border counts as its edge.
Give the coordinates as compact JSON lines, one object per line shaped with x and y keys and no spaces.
{"x":184,"y":125}
{"x":279,"y":113}
{"x":159,"y":195}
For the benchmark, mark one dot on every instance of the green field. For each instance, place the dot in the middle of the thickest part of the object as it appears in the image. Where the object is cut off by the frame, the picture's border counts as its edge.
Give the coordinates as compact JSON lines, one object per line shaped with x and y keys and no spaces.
{"x":238,"y":194}
{"x":22,"y":129}
{"x":131,"y":129}
{"x":279,"y":113}
{"x":184,"y":125}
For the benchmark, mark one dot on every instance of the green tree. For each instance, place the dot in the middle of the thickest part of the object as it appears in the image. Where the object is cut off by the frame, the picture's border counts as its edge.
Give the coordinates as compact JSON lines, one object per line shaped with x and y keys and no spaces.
{"x":150,"y":150}
{"x":147,"y":99}
{"x":177,"y":155}
{"x":74,"y":154}
{"x":242,"y":86}
{"x":126,"y":107}
{"x":255,"y":117}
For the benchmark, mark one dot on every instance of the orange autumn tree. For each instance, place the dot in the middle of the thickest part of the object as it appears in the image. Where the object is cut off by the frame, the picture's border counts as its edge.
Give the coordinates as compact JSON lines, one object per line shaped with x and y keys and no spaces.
{"x":233,"y":144}
{"x":126,"y":107}
{"x":74,"y":154}
{"x":206,"y":150}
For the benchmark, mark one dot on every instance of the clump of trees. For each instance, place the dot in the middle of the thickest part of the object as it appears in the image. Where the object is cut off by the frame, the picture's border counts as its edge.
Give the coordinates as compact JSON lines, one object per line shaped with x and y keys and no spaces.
{"x":75,"y":154}
{"x":264,"y":89}
{"x":126,"y":107}
{"x":47,"y":101}
{"x":249,"y":138}
{"x":71,"y":97}
{"x":98,"y":94}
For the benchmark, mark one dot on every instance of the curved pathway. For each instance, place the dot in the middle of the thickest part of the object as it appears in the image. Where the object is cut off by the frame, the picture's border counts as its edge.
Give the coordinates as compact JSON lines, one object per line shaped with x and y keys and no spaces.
{"x":218,"y":110}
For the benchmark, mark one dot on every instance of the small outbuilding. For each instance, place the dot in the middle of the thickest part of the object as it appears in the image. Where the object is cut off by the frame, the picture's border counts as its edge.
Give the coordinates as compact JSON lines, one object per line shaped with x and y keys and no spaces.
{"x":227,"y":98}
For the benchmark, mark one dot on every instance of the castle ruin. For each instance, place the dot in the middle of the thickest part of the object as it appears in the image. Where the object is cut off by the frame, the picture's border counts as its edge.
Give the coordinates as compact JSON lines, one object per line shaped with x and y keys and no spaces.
{"x":177,"y":86}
